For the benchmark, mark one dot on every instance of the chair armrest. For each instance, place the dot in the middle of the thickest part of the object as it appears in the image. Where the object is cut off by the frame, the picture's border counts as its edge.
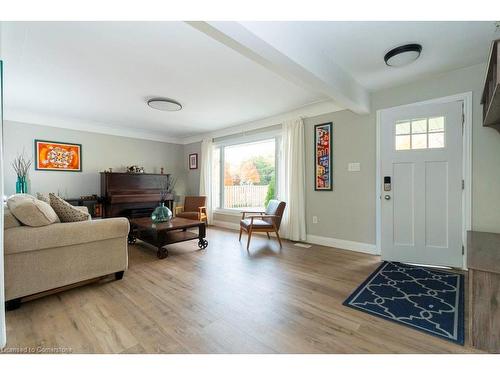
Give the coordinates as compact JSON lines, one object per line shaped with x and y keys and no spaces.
{"x":202,"y":208}
{"x":250,"y":212}
{"x":178,"y":209}
{"x":263,"y":216}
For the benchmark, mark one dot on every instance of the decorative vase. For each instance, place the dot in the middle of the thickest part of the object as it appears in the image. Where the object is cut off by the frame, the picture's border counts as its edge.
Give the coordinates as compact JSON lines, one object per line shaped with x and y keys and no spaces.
{"x":161,"y":214}
{"x":21,"y":185}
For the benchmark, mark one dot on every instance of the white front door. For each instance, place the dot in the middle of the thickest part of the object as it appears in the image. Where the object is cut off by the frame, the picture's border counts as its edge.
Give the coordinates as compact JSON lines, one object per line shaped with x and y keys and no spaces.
{"x":421,"y":176}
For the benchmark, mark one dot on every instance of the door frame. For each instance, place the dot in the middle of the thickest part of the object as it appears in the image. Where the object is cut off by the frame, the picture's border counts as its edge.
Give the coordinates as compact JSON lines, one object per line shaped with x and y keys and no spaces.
{"x":466,"y":98}
{"x":3,"y":330}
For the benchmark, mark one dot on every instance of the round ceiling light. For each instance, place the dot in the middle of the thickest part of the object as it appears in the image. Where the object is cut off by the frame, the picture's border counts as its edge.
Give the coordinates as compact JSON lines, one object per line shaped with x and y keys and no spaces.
{"x":164,"y":104}
{"x":403,"y":55}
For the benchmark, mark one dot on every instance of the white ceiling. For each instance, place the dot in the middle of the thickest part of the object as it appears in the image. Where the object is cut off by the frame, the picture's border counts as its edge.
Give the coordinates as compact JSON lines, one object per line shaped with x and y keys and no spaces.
{"x":103,"y":72}
{"x":359,"y":46}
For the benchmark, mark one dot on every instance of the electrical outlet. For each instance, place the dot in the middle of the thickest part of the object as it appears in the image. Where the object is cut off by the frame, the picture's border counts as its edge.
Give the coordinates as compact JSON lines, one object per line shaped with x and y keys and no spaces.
{"x":315,"y":220}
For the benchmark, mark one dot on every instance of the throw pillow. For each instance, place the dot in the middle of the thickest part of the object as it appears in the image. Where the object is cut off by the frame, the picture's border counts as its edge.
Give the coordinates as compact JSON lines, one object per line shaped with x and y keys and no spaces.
{"x":66,"y":212}
{"x":31,"y":211}
{"x":43,"y":197}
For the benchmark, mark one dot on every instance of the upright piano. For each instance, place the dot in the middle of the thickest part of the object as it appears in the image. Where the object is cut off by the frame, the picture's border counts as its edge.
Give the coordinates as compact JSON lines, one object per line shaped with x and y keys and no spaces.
{"x":132,"y":194}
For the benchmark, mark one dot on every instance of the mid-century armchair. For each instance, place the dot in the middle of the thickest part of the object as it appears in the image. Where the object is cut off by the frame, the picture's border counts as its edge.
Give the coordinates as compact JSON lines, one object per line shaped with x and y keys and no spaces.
{"x":268,"y":221}
{"x":194,"y":208}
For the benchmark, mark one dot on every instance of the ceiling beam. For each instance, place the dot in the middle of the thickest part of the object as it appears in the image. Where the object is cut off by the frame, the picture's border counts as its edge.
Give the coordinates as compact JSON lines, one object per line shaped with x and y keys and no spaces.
{"x":304,"y":66}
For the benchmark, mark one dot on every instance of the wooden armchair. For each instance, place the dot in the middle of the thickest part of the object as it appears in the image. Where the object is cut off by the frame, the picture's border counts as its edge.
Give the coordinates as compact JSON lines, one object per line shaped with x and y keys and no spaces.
{"x":268,"y":221}
{"x":194,"y":209}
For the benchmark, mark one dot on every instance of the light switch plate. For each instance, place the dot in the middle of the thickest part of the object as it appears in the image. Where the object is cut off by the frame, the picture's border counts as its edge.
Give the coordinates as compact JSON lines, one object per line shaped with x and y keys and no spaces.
{"x":354,"y":167}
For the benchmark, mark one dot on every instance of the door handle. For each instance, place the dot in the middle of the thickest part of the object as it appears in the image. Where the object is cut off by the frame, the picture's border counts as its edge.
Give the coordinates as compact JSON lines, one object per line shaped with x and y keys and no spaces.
{"x":387,"y":197}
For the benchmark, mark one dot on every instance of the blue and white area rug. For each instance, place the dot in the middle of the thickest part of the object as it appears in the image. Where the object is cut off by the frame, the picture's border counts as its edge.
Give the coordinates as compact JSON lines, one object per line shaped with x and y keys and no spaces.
{"x":425,"y":299}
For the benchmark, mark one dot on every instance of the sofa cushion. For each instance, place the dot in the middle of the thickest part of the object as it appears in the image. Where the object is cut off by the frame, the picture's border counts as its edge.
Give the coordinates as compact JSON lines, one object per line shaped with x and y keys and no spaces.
{"x":66,"y":212}
{"x":256,"y":223}
{"x":23,"y":239}
{"x":9,"y":220}
{"x":31,"y":211}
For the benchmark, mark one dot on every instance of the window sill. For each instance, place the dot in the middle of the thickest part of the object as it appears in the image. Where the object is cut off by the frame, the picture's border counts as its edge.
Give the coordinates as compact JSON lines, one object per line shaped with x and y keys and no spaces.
{"x":227,"y":211}
{"x":233,"y":212}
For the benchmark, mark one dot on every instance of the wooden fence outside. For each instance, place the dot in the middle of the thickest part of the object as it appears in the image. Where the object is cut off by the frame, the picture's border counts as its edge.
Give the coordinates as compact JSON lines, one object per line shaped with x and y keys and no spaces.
{"x":238,"y":196}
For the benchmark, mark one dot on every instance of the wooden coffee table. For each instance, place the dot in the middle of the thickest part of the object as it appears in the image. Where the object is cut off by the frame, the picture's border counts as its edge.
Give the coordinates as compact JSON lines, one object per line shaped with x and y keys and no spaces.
{"x":162,"y":234}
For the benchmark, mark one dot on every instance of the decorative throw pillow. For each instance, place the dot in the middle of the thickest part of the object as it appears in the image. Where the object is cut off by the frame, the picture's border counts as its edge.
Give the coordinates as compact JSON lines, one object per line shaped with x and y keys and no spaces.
{"x":66,"y":212}
{"x":31,"y":211}
{"x":43,"y":197}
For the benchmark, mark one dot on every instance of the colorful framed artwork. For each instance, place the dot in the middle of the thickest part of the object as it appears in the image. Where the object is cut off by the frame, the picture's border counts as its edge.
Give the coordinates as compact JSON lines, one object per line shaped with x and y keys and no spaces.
{"x":58,"y":156}
{"x":323,"y":157}
{"x":193,"y":161}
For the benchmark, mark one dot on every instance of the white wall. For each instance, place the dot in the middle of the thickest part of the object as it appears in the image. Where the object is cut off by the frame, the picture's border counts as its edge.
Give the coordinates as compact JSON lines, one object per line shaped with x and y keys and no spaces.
{"x":99,"y":152}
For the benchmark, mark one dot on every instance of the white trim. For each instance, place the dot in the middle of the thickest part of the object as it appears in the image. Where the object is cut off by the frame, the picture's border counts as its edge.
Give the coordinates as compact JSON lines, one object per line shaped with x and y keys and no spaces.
{"x":359,"y":247}
{"x":337,"y":243}
{"x":227,"y":211}
{"x":378,"y":189}
{"x":309,"y":110}
{"x":226,"y":224}
{"x":86,"y":126}
{"x":249,"y":138}
{"x":3,"y":330}
{"x":467,"y":173}
{"x":466,"y":98}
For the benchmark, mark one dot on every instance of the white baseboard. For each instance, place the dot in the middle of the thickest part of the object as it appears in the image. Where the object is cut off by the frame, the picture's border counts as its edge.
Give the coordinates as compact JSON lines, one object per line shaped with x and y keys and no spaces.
{"x":226,"y":224}
{"x":360,"y":247}
{"x":318,"y":240}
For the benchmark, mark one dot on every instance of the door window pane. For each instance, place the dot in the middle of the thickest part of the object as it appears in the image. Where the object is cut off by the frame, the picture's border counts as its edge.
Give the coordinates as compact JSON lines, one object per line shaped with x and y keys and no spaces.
{"x":419,"y":126}
{"x":403,"y":142}
{"x":436,"y":124}
{"x":403,"y":128}
{"x":436,"y":140}
{"x":420,"y":134}
{"x":418,"y":141}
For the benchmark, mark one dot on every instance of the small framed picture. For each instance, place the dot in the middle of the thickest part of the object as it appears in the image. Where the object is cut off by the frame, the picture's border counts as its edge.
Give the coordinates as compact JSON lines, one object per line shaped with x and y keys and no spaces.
{"x":193,"y":161}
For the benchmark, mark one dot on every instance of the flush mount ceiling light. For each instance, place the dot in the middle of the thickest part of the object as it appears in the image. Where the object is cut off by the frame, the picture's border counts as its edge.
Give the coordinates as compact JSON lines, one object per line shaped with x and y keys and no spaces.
{"x":164,"y":104}
{"x":403,"y":55}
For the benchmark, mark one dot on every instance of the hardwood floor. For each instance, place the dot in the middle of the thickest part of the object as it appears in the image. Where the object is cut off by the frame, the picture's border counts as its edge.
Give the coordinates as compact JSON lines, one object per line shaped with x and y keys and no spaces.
{"x":221,"y":300}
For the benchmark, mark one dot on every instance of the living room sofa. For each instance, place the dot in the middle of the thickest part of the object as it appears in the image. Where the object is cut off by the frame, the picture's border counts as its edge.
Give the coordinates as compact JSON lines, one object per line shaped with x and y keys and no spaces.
{"x":39,"y":259}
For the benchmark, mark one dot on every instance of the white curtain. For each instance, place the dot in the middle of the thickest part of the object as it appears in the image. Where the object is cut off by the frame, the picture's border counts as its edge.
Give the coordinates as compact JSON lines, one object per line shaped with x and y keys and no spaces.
{"x":206,"y":175}
{"x":291,"y":187}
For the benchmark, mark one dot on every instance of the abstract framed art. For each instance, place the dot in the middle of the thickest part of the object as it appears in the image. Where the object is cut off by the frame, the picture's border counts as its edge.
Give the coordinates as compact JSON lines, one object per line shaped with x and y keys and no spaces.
{"x":58,"y":156}
{"x":323,"y":157}
{"x":193,"y":161}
